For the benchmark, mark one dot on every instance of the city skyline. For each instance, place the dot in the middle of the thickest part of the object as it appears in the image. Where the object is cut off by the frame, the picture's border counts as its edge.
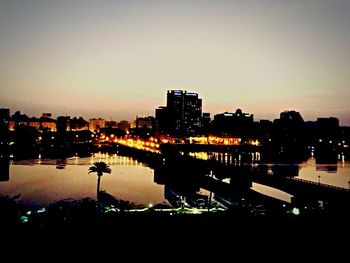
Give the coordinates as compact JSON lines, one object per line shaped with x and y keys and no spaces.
{"x":116,"y":59}
{"x":53,"y":115}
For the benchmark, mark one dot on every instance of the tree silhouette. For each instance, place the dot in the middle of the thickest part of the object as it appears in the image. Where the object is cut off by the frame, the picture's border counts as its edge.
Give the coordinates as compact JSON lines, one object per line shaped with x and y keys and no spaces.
{"x":99,"y":168}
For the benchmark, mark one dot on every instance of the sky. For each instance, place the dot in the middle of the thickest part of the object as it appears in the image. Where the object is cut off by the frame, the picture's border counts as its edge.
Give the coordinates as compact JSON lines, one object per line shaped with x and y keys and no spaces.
{"x":117,"y":59}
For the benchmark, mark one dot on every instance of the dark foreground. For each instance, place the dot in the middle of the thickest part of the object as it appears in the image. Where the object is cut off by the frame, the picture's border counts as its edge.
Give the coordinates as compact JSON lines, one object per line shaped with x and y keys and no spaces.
{"x":186,"y":227}
{"x":81,"y":229}
{"x":182,"y":238}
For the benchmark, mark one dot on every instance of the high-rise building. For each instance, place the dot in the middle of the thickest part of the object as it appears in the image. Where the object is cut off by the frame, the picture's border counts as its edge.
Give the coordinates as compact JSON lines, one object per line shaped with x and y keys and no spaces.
{"x":205,"y":123}
{"x":4,"y":130}
{"x":327,"y":127}
{"x":184,"y":110}
{"x":63,"y":124}
{"x":4,"y":117}
{"x":163,"y":123}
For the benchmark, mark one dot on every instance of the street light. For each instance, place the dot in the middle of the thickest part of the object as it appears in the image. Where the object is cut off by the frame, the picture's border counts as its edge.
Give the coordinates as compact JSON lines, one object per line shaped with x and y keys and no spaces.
{"x":319,"y":179}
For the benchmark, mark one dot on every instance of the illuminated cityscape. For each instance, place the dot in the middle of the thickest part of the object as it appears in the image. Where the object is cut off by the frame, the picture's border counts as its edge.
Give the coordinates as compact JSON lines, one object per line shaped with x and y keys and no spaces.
{"x":211,"y":115}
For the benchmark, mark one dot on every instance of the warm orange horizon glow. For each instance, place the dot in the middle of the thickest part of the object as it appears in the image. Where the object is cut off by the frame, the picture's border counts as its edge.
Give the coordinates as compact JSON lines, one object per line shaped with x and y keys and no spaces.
{"x":117,"y":59}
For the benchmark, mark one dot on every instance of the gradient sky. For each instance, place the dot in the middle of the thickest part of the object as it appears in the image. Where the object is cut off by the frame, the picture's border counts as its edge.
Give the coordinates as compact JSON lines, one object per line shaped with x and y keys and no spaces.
{"x":116,"y":59}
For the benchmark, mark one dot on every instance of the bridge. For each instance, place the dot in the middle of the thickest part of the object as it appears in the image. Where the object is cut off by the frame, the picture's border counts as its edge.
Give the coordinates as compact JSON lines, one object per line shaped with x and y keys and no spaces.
{"x":299,"y":188}
{"x":305,"y":190}
{"x":241,"y":177}
{"x":193,"y":147}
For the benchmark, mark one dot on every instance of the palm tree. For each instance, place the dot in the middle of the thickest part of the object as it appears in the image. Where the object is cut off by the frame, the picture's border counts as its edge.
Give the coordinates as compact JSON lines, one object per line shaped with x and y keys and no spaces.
{"x":99,"y":168}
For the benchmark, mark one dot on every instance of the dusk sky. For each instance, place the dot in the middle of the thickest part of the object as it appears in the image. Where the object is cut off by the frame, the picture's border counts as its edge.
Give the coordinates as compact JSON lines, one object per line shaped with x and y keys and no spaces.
{"x":117,"y":59}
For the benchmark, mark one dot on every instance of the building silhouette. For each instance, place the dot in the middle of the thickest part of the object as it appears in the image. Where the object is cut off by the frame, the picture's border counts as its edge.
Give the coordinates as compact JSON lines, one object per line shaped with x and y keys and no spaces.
{"x":205,"y":123}
{"x":124,"y":125}
{"x":145,"y":122}
{"x":327,"y":128}
{"x":45,"y":122}
{"x":4,"y":170}
{"x":4,"y":131}
{"x":236,"y":123}
{"x":182,"y":115}
{"x":163,"y":121}
{"x":63,"y":124}
{"x":79,"y":124}
{"x":288,"y":137}
{"x":96,"y":124}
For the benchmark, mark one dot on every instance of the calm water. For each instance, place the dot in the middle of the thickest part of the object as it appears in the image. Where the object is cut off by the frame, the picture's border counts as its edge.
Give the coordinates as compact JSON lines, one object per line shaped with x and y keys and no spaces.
{"x":41,"y":182}
{"x":332,"y":174}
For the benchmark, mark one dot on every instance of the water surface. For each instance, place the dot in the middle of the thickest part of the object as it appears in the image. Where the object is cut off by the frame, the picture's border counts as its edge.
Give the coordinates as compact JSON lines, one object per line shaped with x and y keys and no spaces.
{"x":41,"y":182}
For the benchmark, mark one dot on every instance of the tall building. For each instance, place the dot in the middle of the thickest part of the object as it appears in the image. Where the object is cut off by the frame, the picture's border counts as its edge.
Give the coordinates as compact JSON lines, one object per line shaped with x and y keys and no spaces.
{"x":289,"y":135}
{"x":205,"y":122}
{"x":63,"y":124}
{"x":163,"y":123}
{"x":4,"y":130}
{"x":4,"y":117}
{"x":327,"y":127}
{"x":184,"y":112}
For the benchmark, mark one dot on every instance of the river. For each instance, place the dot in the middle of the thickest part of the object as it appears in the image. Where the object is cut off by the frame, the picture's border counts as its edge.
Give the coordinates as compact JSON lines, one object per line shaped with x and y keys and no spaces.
{"x":44,"y":181}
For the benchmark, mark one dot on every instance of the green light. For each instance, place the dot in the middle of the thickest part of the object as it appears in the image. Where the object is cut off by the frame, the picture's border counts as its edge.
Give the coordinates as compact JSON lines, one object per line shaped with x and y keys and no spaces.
{"x":24,"y":219}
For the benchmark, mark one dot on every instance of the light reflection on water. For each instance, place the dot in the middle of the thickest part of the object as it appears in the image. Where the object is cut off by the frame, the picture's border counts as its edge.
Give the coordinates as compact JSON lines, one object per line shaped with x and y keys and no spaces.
{"x":332,"y":174}
{"x":42,"y":182}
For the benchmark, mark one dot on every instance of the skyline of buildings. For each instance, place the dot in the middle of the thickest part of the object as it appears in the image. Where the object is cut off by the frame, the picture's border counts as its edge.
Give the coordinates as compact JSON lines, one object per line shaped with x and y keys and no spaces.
{"x":183,"y":112}
{"x":183,"y":117}
{"x":150,"y":112}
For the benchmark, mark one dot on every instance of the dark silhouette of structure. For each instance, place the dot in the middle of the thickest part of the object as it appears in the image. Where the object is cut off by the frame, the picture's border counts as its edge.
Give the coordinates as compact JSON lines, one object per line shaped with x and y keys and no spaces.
{"x":328,"y":137}
{"x":4,"y":170}
{"x":78,"y":124}
{"x":182,"y":115}
{"x":63,"y":124}
{"x":145,"y":122}
{"x":288,"y":142}
{"x":4,"y":131}
{"x":237,"y":124}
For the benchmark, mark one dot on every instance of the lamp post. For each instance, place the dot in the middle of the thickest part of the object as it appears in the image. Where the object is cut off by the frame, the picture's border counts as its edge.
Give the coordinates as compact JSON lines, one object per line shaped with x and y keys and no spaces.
{"x":319,"y":179}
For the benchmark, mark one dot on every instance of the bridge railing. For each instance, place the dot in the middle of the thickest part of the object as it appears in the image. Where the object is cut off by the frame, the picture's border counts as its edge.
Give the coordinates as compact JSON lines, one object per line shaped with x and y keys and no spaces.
{"x":320,"y":184}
